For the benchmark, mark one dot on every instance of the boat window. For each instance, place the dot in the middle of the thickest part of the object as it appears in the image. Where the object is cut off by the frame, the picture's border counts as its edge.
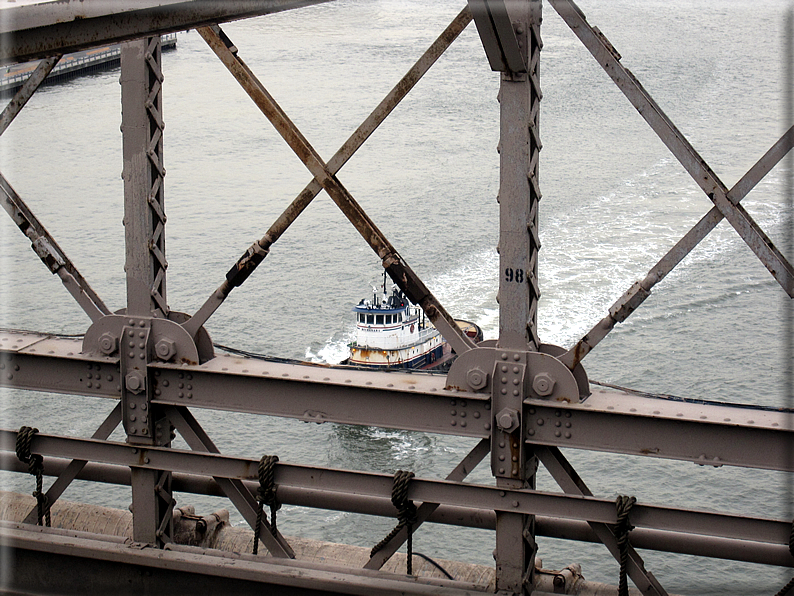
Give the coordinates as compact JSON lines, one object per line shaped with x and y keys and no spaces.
{"x":360,"y":318}
{"x":388,"y":319}
{"x":379,"y":319}
{"x":399,"y":318}
{"x":370,"y":319}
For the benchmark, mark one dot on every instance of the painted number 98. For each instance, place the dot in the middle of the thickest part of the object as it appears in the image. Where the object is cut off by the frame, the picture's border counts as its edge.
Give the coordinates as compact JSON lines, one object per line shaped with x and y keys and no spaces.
{"x":516,"y":275}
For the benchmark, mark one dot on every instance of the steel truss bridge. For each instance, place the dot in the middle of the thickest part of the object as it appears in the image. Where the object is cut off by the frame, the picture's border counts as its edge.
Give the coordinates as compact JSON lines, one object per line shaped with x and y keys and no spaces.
{"x":522,"y":399}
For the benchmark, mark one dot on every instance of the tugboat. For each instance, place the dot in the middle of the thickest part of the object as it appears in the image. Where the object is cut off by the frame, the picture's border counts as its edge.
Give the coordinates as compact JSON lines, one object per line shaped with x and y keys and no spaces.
{"x":392,"y":333}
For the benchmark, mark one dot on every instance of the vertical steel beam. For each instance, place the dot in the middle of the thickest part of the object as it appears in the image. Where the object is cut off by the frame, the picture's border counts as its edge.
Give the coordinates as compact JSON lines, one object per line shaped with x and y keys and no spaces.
{"x":144,"y":215}
{"x":514,"y":463}
{"x":144,"y":221}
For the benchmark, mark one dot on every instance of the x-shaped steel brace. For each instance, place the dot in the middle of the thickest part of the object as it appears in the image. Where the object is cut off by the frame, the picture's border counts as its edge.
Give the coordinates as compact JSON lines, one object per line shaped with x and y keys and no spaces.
{"x":27,"y":90}
{"x":609,"y":59}
{"x":76,"y":465}
{"x":325,"y":176}
{"x":639,"y":291}
{"x":570,"y":482}
{"x":235,"y":490}
{"x":463,"y":469}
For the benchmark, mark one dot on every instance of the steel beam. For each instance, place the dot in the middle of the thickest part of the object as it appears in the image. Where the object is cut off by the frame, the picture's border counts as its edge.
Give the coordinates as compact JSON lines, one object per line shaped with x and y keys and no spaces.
{"x":394,"y":264}
{"x":610,"y":420}
{"x":31,"y":32}
{"x":609,"y":59}
{"x":469,"y":517}
{"x":27,"y":90}
{"x":517,"y":501}
{"x":257,"y":252}
{"x":106,"y":565}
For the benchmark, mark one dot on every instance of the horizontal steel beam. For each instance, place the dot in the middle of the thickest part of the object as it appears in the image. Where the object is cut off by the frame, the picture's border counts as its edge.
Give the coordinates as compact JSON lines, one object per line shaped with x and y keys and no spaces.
{"x":609,"y":420}
{"x":500,"y":499}
{"x":36,"y":31}
{"x":469,"y":517}
{"x":702,"y":433}
{"x":106,"y":565}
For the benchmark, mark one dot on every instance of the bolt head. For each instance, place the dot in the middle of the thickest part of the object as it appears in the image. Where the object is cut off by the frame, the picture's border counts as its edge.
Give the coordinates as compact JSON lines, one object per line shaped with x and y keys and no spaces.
{"x":507,"y":420}
{"x":108,"y":343}
{"x":543,"y":384}
{"x":165,"y":349}
{"x":135,"y":382}
{"x":477,"y":378}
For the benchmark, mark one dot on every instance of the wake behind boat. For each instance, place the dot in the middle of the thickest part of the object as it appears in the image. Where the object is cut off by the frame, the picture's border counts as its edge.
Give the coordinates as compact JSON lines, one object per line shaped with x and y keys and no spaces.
{"x":393,"y":333}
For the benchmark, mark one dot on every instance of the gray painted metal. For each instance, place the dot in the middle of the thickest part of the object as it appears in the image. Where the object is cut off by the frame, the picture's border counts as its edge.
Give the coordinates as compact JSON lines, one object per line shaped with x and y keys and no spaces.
{"x":394,"y":264}
{"x":27,"y":90}
{"x":500,"y":499}
{"x":604,"y":422}
{"x":47,"y":249}
{"x":516,"y":399}
{"x":259,"y":250}
{"x":32,"y":32}
{"x":690,"y":544}
{"x":609,"y":59}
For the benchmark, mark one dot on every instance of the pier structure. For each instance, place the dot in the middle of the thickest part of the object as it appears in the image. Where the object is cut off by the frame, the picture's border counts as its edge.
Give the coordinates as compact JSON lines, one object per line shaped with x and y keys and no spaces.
{"x":521,"y":401}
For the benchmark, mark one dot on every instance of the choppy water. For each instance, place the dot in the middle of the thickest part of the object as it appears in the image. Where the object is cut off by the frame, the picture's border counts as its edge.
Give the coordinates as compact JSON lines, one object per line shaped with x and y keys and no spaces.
{"x":614,"y":201}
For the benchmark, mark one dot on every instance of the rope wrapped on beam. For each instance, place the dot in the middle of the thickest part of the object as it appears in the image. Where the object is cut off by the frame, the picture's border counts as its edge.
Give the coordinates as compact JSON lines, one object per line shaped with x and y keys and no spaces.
{"x":406,"y":515}
{"x":36,"y":468}
{"x":266,"y":495}
{"x":623,"y":506}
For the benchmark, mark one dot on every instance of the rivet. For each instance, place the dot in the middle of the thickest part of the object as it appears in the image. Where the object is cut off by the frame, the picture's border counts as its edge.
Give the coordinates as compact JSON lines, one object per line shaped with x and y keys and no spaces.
{"x":463,"y":423}
{"x":567,"y":414}
{"x":131,"y":322}
{"x":504,"y":391}
{"x":189,"y":395}
{"x":531,"y":410}
{"x":531,"y":432}
{"x":516,"y":369}
{"x":463,"y":403}
{"x":157,"y":392}
{"x":516,"y":357}
{"x":558,"y":413}
{"x":146,"y":460}
{"x":132,"y":354}
{"x":504,"y":368}
{"x":557,"y":433}
{"x":515,"y":458}
{"x":142,"y":334}
{"x":165,"y":383}
{"x":516,"y":381}
{"x":567,"y":435}
{"x":145,"y":431}
{"x":453,"y":402}
{"x":109,"y":377}
{"x":180,"y":394}
{"x":141,"y":345}
{"x":454,"y":413}
{"x":189,"y":386}
{"x":501,"y":458}
{"x":453,"y":423}
{"x":558,"y":423}
{"x":132,"y":406}
{"x":132,"y":418}
{"x":181,"y":385}
{"x":540,"y":421}
{"x":142,"y":356}
{"x":10,"y":376}
{"x":516,"y":392}
{"x":502,"y":444}
{"x":89,"y":384}
{"x":134,"y":451}
{"x":142,"y":323}
{"x":515,"y":445}
{"x":181,"y":375}
{"x":567,"y":425}
{"x":476,"y":414}
{"x":487,"y":426}
{"x":504,"y":355}
{"x":501,"y":470}
{"x":189,"y":377}
{"x":515,"y":503}
{"x":143,"y":406}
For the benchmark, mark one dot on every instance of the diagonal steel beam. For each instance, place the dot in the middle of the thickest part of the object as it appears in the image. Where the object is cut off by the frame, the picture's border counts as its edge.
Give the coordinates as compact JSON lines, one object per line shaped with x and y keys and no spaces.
{"x":639,"y":291}
{"x":259,"y":250}
{"x":76,"y":465}
{"x":235,"y":490}
{"x":609,"y":59}
{"x":425,"y":510}
{"x":26,"y":91}
{"x":50,"y":253}
{"x":395,"y":265}
{"x":571,"y":483}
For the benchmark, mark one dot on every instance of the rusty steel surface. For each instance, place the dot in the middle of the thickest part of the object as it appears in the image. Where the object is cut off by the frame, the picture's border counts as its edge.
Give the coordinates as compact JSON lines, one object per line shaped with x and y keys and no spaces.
{"x":522,"y":399}
{"x":47,"y":29}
